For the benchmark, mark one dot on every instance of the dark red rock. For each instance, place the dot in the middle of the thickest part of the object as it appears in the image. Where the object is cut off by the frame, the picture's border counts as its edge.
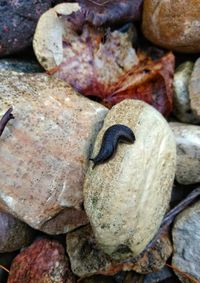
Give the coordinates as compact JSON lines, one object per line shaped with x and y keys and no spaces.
{"x":42,"y":262}
{"x":17,"y":23}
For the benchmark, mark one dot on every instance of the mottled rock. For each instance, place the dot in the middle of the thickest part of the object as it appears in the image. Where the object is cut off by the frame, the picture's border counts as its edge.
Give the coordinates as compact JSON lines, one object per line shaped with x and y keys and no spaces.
{"x":182,"y":109}
{"x":44,"y":261}
{"x":188,"y":152}
{"x":44,"y":150}
{"x":99,"y":279}
{"x":17,"y":23}
{"x":186,"y":238}
{"x":19,"y":65}
{"x":194,"y":89}
{"x":172,"y":24}
{"x":87,"y":258}
{"x":14,"y":234}
{"x":139,"y":176}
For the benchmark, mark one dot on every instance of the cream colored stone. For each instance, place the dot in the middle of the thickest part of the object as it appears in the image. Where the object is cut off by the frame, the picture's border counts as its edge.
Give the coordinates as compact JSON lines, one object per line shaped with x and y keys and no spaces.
{"x":173,"y":24}
{"x":47,"y":41}
{"x":188,"y":152}
{"x":127,"y":197}
{"x":44,"y":150}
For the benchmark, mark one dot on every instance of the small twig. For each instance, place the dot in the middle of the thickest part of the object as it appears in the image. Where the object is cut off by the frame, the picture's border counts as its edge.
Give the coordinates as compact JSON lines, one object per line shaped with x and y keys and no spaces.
{"x":99,"y":4}
{"x":5,"y":119}
{"x":170,"y":216}
{"x":4,"y":268}
{"x":185,"y":275}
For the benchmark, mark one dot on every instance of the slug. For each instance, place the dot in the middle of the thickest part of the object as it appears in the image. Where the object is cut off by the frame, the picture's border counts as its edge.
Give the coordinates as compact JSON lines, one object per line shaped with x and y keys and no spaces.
{"x":112,"y":136}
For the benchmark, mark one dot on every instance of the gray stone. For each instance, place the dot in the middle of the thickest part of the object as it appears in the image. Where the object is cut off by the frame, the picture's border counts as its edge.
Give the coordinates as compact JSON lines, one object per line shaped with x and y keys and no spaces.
{"x":139,"y":176}
{"x":19,"y":65}
{"x":188,"y":152}
{"x":182,"y":109}
{"x":186,"y":239}
{"x":194,"y":89}
{"x":14,"y":234}
{"x":44,"y":150}
{"x":163,"y":274}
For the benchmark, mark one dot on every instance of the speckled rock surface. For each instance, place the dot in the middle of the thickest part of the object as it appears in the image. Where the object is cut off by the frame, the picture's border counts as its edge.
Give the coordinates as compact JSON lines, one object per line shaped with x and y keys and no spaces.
{"x":188,"y":152}
{"x":127,"y":197}
{"x":194,"y":89}
{"x":186,"y":238}
{"x":172,"y":24}
{"x":182,"y":108}
{"x":42,"y":262}
{"x":44,"y":150}
{"x":14,"y":234}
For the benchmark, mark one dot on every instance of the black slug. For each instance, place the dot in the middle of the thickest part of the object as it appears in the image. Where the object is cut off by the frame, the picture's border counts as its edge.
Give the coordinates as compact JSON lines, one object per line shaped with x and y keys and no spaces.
{"x":112,"y":136}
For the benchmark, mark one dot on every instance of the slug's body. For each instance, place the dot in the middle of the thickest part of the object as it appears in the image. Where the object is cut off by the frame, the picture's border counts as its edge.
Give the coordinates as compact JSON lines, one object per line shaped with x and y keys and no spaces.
{"x":112,"y":136}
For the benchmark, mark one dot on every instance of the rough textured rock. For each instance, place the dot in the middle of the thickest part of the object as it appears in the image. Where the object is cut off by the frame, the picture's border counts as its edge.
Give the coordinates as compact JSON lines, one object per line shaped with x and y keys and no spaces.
{"x":17,"y":23}
{"x":87,"y":258}
{"x":44,"y":261}
{"x":188,"y":152}
{"x":194,"y":89}
{"x":182,"y":109}
{"x":186,"y":237}
{"x":127,"y":197}
{"x":19,"y":65}
{"x":14,"y":234}
{"x":172,"y":24}
{"x":44,"y":150}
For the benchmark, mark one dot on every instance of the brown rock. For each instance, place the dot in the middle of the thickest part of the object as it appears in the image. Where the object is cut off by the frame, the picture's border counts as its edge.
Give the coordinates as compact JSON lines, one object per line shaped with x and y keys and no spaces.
{"x":43,"y":262}
{"x":44,"y":150}
{"x":194,"y":89}
{"x":173,"y":24}
{"x":14,"y":234}
{"x":87,"y":258}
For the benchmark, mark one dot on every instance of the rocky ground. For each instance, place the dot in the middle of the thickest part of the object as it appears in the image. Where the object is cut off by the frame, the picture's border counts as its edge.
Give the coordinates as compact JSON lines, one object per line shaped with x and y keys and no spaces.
{"x":68,"y":72}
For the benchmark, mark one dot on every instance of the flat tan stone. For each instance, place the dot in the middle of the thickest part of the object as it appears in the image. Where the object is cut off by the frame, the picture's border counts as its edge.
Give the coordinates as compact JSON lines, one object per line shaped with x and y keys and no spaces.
{"x":127,"y":197}
{"x":194,"y":89}
{"x":44,"y":150}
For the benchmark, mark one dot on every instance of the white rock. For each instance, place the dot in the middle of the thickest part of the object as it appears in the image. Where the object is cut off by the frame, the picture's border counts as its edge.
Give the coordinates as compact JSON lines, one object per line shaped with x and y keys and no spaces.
{"x":127,"y":197}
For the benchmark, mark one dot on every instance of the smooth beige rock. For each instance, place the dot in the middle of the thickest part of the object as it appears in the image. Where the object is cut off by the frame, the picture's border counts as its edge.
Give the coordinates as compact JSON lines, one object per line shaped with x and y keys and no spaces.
{"x":194,"y":89}
{"x":44,"y":150}
{"x":173,"y":24}
{"x":182,"y":108}
{"x":47,"y":41}
{"x":188,"y":152}
{"x":127,"y":197}
{"x":186,"y":238}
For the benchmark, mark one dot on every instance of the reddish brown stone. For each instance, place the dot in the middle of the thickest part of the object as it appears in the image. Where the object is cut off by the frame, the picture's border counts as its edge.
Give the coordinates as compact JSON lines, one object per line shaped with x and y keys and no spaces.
{"x":42,"y":262}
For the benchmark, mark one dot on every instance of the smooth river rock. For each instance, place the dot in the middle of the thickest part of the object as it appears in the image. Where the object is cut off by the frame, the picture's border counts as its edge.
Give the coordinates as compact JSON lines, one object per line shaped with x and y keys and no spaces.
{"x":186,"y":238}
{"x":127,"y":197}
{"x":188,"y":152}
{"x":173,"y":24}
{"x":44,"y":150}
{"x":194,"y":89}
{"x":14,"y":234}
{"x":181,"y":99}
